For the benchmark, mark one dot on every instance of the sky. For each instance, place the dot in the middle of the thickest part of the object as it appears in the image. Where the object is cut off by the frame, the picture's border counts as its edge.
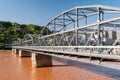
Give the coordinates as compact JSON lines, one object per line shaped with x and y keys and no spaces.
{"x":40,"y":12}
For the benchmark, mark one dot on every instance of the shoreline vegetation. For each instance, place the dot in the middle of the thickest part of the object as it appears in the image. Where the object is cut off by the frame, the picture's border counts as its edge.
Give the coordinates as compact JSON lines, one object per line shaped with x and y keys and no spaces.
{"x":12,"y":31}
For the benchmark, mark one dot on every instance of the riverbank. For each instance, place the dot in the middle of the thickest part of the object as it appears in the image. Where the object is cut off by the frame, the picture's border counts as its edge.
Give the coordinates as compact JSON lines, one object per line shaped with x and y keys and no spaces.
{"x":5,"y":51}
{"x":12,"y":67}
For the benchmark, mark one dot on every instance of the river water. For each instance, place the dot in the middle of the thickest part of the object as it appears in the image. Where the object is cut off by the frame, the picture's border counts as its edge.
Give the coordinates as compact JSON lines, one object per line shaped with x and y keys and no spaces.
{"x":12,"y":67}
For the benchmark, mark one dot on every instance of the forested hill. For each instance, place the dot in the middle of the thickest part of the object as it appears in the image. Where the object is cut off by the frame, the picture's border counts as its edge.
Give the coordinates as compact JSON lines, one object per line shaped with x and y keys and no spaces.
{"x":13,"y":31}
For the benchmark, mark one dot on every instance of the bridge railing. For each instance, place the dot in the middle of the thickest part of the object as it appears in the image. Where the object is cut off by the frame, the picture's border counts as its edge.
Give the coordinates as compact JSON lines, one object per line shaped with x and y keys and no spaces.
{"x":111,"y":50}
{"x":85,"y":49}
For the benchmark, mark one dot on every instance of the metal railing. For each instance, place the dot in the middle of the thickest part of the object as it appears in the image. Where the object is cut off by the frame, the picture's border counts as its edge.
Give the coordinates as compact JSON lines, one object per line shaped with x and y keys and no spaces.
{"x":115,"y":50}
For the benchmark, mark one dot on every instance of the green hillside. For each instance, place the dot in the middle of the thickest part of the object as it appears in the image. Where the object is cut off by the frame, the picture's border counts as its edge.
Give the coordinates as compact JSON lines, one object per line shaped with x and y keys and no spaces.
{"x":10,"y":32}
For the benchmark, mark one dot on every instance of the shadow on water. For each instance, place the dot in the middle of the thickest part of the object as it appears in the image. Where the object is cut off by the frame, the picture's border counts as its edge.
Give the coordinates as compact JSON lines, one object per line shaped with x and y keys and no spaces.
{"x":114,"y":73}
{"x":54,"y":66}
{"x":60,"y":65}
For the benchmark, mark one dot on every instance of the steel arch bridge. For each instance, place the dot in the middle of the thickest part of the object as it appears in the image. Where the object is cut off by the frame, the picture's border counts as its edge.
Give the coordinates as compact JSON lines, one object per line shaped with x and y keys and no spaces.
{"x":82,"y":25}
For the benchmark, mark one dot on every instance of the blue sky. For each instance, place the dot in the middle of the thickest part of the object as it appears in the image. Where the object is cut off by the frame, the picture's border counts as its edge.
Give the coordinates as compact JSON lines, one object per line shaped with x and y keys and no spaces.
{"x":39,"y":12}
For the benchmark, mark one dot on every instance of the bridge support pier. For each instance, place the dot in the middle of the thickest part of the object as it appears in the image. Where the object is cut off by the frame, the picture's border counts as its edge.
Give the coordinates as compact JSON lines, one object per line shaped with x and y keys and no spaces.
{"x":13,"y":50}
{"x":16,"y":51}
{"x":40,"y":60}
{"x":23,"y":53}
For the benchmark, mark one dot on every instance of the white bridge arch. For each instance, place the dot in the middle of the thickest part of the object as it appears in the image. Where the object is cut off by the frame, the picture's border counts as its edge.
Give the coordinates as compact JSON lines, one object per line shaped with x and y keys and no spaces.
{"x":75,"y":26}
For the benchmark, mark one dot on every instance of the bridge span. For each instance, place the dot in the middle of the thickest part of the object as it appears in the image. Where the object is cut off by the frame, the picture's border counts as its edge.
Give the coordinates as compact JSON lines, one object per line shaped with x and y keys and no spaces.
{"x":83,"y":31}
{"x":41,"y":55}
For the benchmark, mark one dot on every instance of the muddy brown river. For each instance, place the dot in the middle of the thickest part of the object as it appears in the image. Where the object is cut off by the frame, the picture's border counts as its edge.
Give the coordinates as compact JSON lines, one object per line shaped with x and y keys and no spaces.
{"x":12,"y":67}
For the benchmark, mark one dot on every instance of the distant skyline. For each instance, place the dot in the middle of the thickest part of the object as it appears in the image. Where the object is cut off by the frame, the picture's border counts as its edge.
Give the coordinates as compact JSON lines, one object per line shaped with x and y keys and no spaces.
{"x":40,"y":12}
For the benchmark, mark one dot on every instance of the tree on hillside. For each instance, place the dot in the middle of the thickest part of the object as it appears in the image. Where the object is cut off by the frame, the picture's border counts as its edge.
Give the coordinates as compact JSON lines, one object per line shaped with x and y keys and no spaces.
{"x":10,"y":32}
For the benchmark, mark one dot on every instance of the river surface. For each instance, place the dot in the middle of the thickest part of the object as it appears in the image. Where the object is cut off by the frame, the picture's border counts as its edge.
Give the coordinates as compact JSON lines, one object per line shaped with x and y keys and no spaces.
{"x":12,"y":67}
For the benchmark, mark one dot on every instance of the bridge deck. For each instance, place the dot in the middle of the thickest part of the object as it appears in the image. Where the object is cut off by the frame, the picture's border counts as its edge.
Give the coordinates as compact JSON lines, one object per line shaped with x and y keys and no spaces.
{"x":59,"y":52}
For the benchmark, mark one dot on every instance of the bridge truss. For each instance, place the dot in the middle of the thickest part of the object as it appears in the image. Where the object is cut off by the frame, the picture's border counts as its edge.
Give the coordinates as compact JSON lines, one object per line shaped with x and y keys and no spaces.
{"x":76,"y":27}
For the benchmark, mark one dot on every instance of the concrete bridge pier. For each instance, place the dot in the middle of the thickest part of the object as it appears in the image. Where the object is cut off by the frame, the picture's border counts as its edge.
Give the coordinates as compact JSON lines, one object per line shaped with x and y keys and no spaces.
{"x":23,"y":53}
{"x":40,"y":60}
{"x":13,"y":50}
{"x":16,"y":51}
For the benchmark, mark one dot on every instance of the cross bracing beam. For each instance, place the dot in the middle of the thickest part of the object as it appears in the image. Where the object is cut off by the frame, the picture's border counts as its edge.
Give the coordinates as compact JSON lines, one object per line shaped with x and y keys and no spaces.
{"x":64,"y":19}
{"x":89,"y":10}
{"x":112,"y":25}
{"x":58,"y":24}
{"x":111,"y":12}
{"x":70,"y":17}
